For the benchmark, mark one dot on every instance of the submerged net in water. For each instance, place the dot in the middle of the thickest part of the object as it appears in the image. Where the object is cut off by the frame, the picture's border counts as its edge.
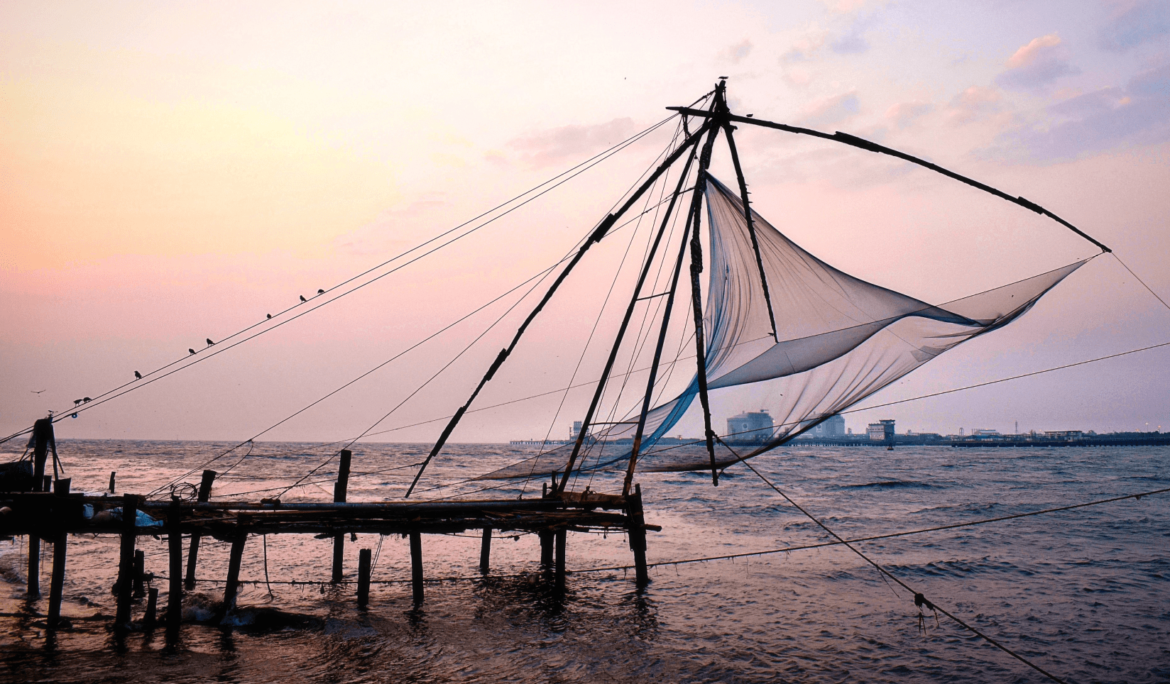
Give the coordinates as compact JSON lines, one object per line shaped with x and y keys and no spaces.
{"x":839,"y":339}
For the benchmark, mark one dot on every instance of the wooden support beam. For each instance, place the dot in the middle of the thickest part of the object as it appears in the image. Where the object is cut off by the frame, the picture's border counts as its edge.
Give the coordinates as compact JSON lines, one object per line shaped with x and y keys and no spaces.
{"x":546,"y":549}
{"x":139,"y":573}
{"x":485,"y":551}
{"x":559,"y":574}
{"x":232,"y":587}
{"x":416,"y":567}
{"x":340,"y":488}
{"x":637,"y":532}
{"x":113,"y":475}
{"x":175,"y":594}
{"x":151,"y":617}
{"x":34,"y":566}
{"x":126,"y":561}
{"x":193,"y":554}
{"x":57,"y":584}
{"x":363,"y":589}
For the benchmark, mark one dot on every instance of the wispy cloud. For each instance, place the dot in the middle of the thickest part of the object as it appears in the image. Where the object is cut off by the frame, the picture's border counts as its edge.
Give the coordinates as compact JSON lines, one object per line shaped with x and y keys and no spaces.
{"x":903,"y":114}
{"x":803,"y":49}
{"x":1133,"y":24}
{"x":737,"y":52}
{"x":831,"y":110}
{"x":557,"y":144}
{"x":973,"y":104}
{"x":1037,"y":64}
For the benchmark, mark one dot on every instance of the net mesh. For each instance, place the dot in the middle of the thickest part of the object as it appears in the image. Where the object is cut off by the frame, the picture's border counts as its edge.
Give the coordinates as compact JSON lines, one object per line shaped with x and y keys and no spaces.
{"x":839,"y":339}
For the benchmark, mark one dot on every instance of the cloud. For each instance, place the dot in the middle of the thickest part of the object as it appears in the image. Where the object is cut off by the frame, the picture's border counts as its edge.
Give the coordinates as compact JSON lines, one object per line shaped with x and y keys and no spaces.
{"x":1037,"y":64}
{"x":830,"y":110}
{"x":1098,"y":121}
{"x":556,"y":144}
{"x":1134,"y":24}
{"x":904,"y":114}
{"x":737,"y":52}
{"x":803,"y":49}
{"x":973,"y":104}
{"x":852,"y":43}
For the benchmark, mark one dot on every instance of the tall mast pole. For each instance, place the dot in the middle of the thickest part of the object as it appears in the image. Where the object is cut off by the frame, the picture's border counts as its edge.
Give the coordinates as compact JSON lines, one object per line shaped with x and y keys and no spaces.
{"x":613,"y":351}
{"x":751,"y":224}
{"x":606,"y":224}
{"x":719,"y":105}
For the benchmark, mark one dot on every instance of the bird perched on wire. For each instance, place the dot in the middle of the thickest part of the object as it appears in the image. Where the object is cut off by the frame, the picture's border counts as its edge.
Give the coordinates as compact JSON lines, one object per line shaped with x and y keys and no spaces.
{"x":320,"y":292}
{"x":303,"y":298}
{"x":209,"y":342}
{"x":270,"y":315}
{"x":137,"y":375}
{"x":77,"y":402}
{"x":191,"y":350}
{"x":86,"y":400}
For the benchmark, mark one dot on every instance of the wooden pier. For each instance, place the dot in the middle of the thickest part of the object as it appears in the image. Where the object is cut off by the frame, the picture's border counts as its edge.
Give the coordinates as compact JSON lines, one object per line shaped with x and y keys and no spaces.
{"x":53,"y":516}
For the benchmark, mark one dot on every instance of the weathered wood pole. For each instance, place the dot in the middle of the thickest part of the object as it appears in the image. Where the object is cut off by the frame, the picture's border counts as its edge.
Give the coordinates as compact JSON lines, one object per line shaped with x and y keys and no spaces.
{"x":175,"y":595}
{"x":485,"y":551}
{"x":57,"y":584}
{"x":546,"y":549}
{"x":193,"y":554}
{"x":34,"y":566}
{"x":339,"y":491}
{"x":139,"y":573}
{"x":637,"y":531}
{"x":416,"y":567}
{"x":559,"y":574}
{"x":363,"y":578}
{"x":126,"y":560}
{"x":233,"y":577}
{"x":112,"y":475}
{"x":151,"y":617}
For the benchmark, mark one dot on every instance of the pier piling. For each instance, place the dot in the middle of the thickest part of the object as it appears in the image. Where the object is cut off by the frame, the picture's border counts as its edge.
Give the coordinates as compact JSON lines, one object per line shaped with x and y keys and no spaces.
{"x":485,"y":551}
{"x":34,"y":566}
{"x":126,"y":560}
{"x":175,"y":595}
{"x":559,"y":573}
{"x":546,"y":549}
{"x":637,"y":531}
{"x":339,"y":492}
{"x":151,"y":618}
{"x":232,"y":587}
{"x":139,"y":573}
{"x":363,"y":588}
{"x":202,"y":497}
{"x":416,"y":568}
{"x":57,"y":584}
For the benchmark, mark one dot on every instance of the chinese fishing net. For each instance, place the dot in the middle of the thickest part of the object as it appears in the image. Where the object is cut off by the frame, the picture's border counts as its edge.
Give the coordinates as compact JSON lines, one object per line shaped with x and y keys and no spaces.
{"x":839,"y":339}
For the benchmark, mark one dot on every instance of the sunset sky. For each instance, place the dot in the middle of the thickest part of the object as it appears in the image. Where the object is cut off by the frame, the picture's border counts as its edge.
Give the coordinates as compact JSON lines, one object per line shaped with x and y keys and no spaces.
{"x":176,"y":171}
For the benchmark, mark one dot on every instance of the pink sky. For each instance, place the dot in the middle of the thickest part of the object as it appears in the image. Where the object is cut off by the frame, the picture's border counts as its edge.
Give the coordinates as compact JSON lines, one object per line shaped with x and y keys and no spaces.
{"x":174,"y":172}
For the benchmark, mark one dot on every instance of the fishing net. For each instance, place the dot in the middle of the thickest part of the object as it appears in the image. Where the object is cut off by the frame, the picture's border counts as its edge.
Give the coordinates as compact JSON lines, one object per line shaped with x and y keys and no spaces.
{"x":838,"y":339}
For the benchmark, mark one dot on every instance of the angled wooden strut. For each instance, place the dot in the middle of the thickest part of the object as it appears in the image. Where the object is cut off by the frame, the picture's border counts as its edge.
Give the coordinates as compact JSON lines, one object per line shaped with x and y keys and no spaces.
{"x":751,"y":226}
{"x":864,"y":144}
{"x":613,"y":351}
{"x":598,"y":234}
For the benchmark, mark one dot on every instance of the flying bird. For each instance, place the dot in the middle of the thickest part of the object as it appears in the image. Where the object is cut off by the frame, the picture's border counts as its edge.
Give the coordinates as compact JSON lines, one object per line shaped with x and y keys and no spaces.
{"x":37,"y":391}
{"x":209,"y":342}
{"x":191,"y":350}
{"x":303,"y":298}
{"x":320,"y":292}
{"x":137,"y":375}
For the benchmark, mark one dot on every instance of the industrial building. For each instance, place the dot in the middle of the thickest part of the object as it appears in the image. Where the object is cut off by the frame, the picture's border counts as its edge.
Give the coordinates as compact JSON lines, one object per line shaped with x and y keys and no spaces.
{"x":750,"y":427}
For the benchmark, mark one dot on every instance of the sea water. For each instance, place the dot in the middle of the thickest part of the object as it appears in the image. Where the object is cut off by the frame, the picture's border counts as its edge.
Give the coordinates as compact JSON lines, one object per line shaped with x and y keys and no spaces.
{"x":1084,"y":594}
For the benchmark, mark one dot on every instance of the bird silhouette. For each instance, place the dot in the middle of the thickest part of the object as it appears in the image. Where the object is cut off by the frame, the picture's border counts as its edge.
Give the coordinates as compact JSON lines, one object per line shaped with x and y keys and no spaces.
{"x":86,"y":400}
{"x":37,"y":391}
{"x":320,"y":292}
{"x":137,"y":375}
{"x":303,"y":298}
{"x":191,"y":350}
{"x":209,"y":342}
{"x":77,"y":402}
{"x":270,"y":315}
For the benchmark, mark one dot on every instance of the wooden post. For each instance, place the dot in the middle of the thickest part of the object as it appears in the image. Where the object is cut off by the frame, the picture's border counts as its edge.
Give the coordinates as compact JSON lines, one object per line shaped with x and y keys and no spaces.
{"x":416,"y":568}
{"x":193,"y":554}
{"x":139,"y":573}
{"x":560,"y":565}
{"x":126,"y":560}
{"x":112,"y":475}
{"x":340,"y":489}
{"x":151,"y":617}
{"x":637,"y":531}
{"x":233,"y":577}
{"x":363,"y":593}
{"x":57,"y":585}
{"x":34,"y":566}
{"x":485,"y":551}
{"x":546,"y":549}
{"x":175,"y":595}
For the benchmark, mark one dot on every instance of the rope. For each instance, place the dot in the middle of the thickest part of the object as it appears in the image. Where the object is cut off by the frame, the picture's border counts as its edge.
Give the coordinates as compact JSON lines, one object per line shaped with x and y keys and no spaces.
{"x":919,"y":599}
{"x":1148,"y":288}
